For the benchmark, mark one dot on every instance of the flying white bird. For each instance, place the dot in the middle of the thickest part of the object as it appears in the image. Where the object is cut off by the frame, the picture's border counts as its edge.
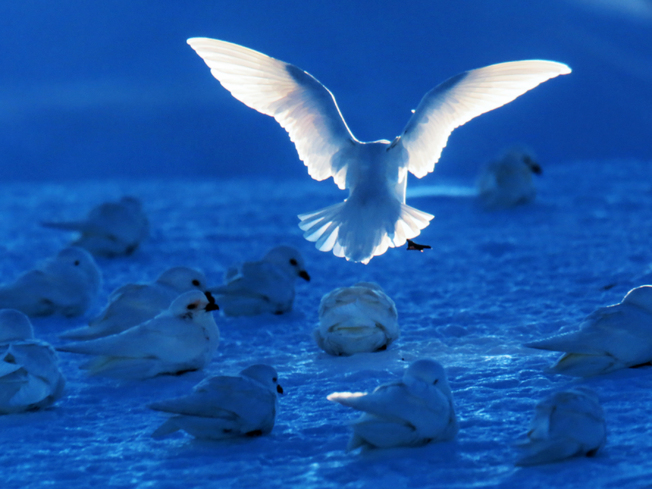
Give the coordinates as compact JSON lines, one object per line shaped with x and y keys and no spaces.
{"x":415,"y":411}
{"x":374,"y":216}
{"x":180,"y":339}
{"x":256,"y":287}
{"x":356,"y":319}
{"x":610,"y":338}
{"x":133,"y":304}
{"x":29,"y":372}
{"x":566,"y":424}
{"x":225,"y":407}
{"x":110,"y":229}
{"x":64,"y":284}
{"x":508,"y":181}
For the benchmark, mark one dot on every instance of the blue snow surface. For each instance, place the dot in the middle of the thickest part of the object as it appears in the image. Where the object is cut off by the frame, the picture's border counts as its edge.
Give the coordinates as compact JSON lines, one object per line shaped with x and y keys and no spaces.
{"x":493,"y":281}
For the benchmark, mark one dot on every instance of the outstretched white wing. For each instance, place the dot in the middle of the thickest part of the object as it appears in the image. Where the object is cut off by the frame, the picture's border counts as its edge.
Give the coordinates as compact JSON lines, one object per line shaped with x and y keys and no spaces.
{"x":304,"y":107}
{"x":463,"y":97}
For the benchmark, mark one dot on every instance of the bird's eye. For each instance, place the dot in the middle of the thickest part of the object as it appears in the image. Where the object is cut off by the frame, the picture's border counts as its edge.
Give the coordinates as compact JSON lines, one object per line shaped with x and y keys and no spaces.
{"x":192,"y":306}
{"x":195,"y":283}
{"x":293,"y":262}
{"x":435,"y":382}
{"x":76,"y":262}
{"x":274,"y":379}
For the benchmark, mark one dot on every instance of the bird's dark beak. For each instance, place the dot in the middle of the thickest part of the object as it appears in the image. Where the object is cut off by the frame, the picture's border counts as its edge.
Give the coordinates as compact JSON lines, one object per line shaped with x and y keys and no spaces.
{"x":304,"y":275}
{"x":211,"y":306}
{"x":279,"y":389}
{"x":534,"y":166}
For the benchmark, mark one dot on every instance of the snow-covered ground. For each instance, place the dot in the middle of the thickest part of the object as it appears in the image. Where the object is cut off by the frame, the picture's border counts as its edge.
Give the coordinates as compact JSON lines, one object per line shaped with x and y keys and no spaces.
{"x":493,"y":281}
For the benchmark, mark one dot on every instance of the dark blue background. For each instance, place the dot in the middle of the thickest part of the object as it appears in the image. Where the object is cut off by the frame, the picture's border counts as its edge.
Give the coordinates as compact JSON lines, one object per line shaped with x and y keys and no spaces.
{"x":111,"y":89}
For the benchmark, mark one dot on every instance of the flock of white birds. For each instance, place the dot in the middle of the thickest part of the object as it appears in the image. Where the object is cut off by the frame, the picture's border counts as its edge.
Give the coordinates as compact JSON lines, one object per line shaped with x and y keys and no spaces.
{"x":167,"y":326}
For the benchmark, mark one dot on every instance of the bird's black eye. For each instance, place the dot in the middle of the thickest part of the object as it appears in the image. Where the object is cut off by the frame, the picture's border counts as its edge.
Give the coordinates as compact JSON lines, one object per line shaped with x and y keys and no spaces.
{"x":76,"y":262}
{"x":435,"y":382}
{"x":192,"y":306}
{"x":293,"y":262}
{"x":274,"y":379}
{"x":195,"y":283}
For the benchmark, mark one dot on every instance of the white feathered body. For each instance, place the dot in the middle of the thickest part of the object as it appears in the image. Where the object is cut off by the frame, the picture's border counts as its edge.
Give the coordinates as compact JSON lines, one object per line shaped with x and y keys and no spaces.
{"x":170,"y":343}
{"x":566,"y":424}
{"x":29,"y":376}
{"x":66,"y":284}
{"x":374,"y":217}
{"x":265,"y":286}
{"x":415,"y":411}
{"x":219,"y":408}
{"x":611,"y":338}
{"x":110,"y":229}
{"x":356,"y":319}
{"x":507,"y":181}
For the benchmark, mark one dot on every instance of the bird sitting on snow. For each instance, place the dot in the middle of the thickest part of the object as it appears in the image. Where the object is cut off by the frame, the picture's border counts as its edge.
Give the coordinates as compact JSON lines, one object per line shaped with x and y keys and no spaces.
{"x":65,"y":284}
{"x":182,"y":338}
{"x":225,"y":407}
{"x":507,"y":181}
{"x":111,"y":229}
{"x":133,"y":304}
{"x":356,"y":319}
{"x":566,"y":424}
{"x":611,"y":338}
{"x":413,"y":411}
{"x":29,"y":373}
{"x":257,"y":287}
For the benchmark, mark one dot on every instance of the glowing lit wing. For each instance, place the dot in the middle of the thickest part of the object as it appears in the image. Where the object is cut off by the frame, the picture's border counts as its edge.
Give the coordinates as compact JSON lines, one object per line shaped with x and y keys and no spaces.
{"x":304,"y":107}
{"x":463,"y":97}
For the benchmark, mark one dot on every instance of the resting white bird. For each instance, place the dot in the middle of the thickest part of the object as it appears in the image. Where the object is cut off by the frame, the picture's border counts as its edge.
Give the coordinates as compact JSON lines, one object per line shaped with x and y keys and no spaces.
{"x":508,"y":181}
{"x":29,"y":372}
{"x":374,"y":216}
{"x":356,"y":319}
{"x":610,"y":338}
{"x":225,"y":407}
{"x":65,"y":284}
{"x":566,"y":424}
{"x":411,"y":412}
{"x":257,"y":287}
{"x":110,"y":229}
{"x":182,"y":338}
{"x":133,"y":304}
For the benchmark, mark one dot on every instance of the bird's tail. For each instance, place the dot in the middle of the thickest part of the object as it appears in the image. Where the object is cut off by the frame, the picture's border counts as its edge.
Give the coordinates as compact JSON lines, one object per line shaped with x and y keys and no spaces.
{"x":168,"y":427}
{"x":359,"y":232}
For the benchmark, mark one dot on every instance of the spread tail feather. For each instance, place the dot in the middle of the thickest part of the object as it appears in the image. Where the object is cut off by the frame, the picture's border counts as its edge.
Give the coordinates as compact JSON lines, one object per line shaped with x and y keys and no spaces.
{"x":359,"y":233}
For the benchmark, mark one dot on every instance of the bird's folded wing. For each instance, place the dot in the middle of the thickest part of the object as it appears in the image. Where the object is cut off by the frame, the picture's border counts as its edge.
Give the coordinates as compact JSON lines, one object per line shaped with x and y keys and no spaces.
{"x":304,"y":107}
{"x":220,"y":397}
{"x":161,"y":339}
{"x":608,"y":330}
{"x":464,"y":97}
